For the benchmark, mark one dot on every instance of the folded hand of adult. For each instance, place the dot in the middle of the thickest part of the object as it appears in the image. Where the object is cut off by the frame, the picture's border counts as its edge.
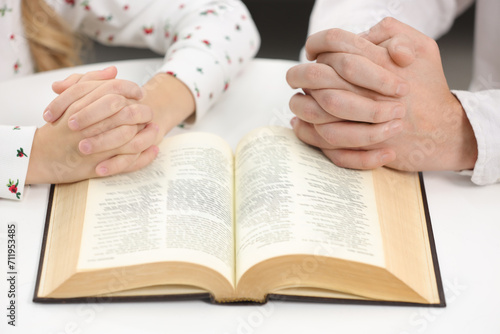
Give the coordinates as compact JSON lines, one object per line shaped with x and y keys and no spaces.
{"x":380,"y":99}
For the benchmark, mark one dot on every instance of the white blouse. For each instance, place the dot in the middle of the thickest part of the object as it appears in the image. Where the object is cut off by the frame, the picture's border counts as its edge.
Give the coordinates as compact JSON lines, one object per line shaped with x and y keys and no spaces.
{"x":205,"y":42}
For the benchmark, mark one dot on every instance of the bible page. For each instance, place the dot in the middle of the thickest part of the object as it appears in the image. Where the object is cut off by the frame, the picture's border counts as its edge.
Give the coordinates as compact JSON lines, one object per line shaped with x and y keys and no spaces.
{"x":179,"y":208}
{"x":290,"y":199}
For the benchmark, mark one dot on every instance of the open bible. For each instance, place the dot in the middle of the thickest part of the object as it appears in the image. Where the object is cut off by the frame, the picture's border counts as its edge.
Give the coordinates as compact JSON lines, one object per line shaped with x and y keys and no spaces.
{"x":276,"y":219}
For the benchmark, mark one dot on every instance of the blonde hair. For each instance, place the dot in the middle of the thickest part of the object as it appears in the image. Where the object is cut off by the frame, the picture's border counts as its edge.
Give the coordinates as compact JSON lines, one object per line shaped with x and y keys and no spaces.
{"x":52,"y":43}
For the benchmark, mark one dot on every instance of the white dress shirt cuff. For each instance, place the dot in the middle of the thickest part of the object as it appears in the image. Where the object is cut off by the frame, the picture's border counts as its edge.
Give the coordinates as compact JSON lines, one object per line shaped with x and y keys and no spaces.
{"x":483,"y":111}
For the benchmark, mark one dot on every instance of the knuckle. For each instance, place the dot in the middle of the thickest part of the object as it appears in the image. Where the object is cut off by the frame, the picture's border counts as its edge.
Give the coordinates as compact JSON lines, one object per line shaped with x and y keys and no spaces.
{"x":113,"y":85}
{"x":401,"y":39}
{"x":374,"y":135}
{"x":348,"y":65}
{"x":308,"y":112}
{"x":338,"y":158}
{"x":92,"y":131}
{"x":371,"y":138}
{"x":376,"y":113}
{"x":137,"y":145}
{"x":426,"y":45}
{"x":333,"y":35}
{"x":329,"y":135}
{"x":133,"y":114}
{"x":303,"y":108}
{"x":312,"y":73}
{"x":326,"y":58}
{"x":388,"y":23}
{"x":290,"y":77}
{"x":126,"y":132}
{"x":365,"y":161}
{"x":294,"y":103}
{"x":116,"y":102}
{"x":97,"y":140}
{"x":74,"y":108}
{"x":80,"y":88}
{"x":388,"y":83}
{"x":332,"y":102}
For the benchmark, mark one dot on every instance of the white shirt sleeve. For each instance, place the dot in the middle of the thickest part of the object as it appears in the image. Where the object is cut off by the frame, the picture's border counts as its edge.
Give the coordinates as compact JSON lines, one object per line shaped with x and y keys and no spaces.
{"x":205,"y":42}
{"x":432,"y":17}
{"x":14,"y":159}
{"x":482,"y":109}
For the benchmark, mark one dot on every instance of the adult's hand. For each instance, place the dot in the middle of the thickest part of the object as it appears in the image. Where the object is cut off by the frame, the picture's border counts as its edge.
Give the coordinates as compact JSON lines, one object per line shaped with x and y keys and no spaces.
{"x":381,"y":99}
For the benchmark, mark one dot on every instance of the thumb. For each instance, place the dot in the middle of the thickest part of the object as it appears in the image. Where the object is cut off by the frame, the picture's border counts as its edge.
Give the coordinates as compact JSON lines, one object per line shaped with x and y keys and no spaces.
{"x":401,"y":49}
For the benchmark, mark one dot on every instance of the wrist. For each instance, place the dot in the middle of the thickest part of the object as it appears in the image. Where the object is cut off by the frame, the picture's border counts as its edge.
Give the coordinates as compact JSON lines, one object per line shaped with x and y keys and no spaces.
{"x":170,"y":100}
{"x":38,"y":172}
{"x":55,"y":157}
{"x":463,"y":143}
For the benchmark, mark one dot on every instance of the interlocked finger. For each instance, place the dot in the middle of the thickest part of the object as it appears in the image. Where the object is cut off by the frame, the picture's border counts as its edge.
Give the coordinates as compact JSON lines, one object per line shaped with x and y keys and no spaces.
{"x":126,"y":162}
{"x":307,"y":109}
{"x":357,"y":135}
{"x":108,"y":140}
{"x":135,"y":113}
{"x":345,"y":105}
{"x":359,"y":159}
{"x":360,"y":71}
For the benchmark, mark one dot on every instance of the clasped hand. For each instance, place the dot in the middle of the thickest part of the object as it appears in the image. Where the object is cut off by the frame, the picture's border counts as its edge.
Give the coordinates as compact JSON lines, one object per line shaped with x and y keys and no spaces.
{"x":380,"y":99}
{"x":97,"y":126}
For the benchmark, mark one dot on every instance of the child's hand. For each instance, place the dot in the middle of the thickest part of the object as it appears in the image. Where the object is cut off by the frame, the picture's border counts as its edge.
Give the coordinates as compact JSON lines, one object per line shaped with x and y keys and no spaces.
{"x":55,"y":157}
{"x":106,"y":110}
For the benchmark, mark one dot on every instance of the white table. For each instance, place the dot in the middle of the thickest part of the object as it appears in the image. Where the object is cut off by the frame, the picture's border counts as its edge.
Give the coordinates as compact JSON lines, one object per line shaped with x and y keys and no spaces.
{"x":465,"y":219}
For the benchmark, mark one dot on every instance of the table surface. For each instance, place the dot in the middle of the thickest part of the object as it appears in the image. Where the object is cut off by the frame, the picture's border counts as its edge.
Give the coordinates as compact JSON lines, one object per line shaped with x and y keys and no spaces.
{"x":465,"y":220}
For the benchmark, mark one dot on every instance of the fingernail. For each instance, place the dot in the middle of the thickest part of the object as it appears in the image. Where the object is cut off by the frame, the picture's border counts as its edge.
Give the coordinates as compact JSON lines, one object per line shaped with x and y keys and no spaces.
{"x":293,"y":121}
{"x":398,"y":112}
{"x":403,"y":89}
{"x":85,"y":146}
{"x":102,"y":171}
{"x":73,"y":124}
{"x":47,"y":116}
